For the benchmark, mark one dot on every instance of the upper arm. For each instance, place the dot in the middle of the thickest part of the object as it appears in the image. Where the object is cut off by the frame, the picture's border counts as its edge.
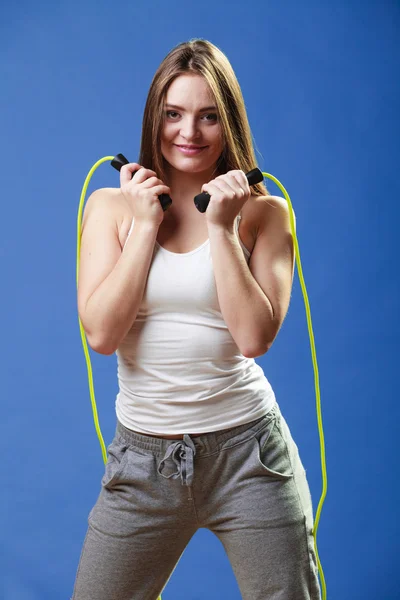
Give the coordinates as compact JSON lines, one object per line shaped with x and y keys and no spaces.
{"x":100,"y":249}
{"x":272,"y":260}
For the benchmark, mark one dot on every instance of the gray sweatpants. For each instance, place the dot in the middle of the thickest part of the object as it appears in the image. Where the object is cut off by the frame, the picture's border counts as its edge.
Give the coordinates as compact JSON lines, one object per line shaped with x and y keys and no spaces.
{"x":246,"y":484}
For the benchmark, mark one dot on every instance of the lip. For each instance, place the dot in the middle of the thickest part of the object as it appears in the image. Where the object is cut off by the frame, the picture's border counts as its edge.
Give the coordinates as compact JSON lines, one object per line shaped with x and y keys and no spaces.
{"x":191,"y":151}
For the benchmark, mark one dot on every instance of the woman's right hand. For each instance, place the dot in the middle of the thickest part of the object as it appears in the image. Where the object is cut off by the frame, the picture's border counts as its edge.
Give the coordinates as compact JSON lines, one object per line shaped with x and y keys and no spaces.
{"x":141,"y":193}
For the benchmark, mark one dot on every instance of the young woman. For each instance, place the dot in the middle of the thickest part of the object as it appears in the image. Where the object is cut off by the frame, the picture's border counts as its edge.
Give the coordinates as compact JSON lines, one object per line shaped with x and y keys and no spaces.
{"x":187,"y":300}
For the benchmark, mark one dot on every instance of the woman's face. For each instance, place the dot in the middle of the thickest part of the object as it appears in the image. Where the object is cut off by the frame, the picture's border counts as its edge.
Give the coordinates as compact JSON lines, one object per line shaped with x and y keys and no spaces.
{"x":191,"y":125}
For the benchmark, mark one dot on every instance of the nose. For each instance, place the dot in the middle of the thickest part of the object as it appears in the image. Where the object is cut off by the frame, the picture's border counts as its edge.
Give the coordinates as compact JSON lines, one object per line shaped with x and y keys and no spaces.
{"x":189,"y":130}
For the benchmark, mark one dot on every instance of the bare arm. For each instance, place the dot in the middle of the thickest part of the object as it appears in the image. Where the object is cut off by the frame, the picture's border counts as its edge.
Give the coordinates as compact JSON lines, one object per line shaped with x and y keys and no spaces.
{"x":111,"y":281}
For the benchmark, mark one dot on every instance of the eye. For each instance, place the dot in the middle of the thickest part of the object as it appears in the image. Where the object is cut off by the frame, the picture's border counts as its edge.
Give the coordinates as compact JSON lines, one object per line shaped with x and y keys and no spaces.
{"x":169,"y":113}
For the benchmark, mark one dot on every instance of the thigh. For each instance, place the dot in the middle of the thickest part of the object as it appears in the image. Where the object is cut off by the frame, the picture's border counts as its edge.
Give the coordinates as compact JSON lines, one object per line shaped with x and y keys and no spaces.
{"x":135,"y":536}
{"x":266,"y":525}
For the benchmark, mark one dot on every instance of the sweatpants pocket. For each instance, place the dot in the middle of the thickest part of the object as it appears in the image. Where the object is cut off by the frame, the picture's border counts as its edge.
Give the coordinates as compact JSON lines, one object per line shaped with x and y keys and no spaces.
{"x":273,"y":455}
{"x":117,"y":457}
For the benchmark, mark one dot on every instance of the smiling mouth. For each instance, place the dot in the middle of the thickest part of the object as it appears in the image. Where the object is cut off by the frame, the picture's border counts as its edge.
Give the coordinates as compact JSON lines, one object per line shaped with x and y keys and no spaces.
{"x":190,"y":147}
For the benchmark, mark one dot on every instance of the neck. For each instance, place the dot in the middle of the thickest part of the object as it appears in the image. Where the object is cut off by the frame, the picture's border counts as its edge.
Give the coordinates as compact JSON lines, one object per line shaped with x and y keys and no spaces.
{"x":185,"y":186}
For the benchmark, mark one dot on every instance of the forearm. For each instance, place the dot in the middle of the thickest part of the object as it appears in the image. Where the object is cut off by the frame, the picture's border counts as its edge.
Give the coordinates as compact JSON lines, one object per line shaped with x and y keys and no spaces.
{"x":112,"y":309}
{"x":245,"y":308}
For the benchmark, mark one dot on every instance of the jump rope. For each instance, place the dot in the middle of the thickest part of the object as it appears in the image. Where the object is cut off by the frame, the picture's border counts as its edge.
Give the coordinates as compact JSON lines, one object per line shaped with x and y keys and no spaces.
{"x":201,"y":202}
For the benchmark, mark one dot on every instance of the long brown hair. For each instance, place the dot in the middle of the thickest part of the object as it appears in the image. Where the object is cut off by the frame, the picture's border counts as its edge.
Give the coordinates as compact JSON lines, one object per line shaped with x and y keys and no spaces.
{"x":201,"y":57}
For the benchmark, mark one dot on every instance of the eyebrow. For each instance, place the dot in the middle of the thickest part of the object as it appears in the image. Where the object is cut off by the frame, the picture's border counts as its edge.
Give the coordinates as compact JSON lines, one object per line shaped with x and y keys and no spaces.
{"x":201,"y":109}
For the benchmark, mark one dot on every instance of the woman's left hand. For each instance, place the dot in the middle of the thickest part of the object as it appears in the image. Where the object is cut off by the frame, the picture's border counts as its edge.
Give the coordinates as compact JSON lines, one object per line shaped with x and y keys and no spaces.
{"x":229,"y":193}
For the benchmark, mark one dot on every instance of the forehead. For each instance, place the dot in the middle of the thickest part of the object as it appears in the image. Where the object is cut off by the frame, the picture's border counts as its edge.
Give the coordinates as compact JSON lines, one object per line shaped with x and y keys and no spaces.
{"x":188,"y":90}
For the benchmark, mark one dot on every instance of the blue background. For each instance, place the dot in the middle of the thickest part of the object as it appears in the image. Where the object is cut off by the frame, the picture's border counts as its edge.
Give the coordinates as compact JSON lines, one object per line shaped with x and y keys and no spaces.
{"x":321,"y":86}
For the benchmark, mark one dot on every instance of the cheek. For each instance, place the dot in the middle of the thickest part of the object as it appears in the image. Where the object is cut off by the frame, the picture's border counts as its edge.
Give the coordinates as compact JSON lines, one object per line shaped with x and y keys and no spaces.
{"x":168,"y":130}
{"x":166,"y":138}
{"x":218,"y":141}
{"x":163,"y":133}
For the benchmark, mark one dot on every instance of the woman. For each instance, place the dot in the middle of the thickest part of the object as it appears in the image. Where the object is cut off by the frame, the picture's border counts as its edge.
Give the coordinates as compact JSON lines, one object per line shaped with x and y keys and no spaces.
{"x":187,"y":300}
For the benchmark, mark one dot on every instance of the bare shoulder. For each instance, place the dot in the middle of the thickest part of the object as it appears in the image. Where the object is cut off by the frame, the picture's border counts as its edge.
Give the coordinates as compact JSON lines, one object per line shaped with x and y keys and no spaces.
{"x":113,"y":201}
{"x":265,"y":203}
{"x":264,"y":208}
{"x":105,"y":196}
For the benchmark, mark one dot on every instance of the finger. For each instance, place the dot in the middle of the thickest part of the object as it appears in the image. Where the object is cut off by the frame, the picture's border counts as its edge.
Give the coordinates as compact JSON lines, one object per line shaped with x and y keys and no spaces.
{"x":228,"y":187}
{"x":239,"y":176}
{"x":242,"y":181}
{"x":144,"y":174}
{"x":127,"y":171}
{"x":210,"y":188}
{"x":245,"y":181}
{"x":230,"y":178}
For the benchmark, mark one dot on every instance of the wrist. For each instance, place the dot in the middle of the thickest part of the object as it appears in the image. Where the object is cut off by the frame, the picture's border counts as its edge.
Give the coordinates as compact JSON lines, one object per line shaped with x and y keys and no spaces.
{"x":219,"y":228}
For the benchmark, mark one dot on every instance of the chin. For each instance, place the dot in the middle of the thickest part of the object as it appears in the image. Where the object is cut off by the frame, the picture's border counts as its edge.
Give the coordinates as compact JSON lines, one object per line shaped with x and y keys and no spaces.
{"x":188,"y":164}
{"x":194,"y":168}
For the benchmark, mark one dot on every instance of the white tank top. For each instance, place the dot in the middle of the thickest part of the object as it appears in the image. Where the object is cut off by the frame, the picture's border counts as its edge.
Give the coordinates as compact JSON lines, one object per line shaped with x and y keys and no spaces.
{"x":179,"y":368}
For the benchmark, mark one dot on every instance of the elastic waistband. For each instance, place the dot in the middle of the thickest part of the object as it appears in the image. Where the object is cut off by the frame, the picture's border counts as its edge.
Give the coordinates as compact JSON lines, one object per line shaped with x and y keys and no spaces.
{"x":205,"y":444}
